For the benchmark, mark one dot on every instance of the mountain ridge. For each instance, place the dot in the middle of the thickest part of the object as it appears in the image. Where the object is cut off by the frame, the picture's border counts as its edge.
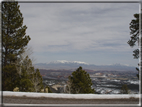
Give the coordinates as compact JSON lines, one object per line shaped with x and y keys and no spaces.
{"x":67,"y":62}
{"x":73,"y":65}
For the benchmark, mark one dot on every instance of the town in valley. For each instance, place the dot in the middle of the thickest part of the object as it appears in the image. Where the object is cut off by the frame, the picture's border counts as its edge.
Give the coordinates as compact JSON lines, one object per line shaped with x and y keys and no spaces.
{"x":107,"y":81}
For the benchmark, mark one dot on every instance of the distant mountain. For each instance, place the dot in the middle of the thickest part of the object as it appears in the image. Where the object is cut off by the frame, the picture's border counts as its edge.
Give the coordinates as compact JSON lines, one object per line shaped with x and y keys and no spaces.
{"x":73,"y":65}
{"x":67,"y":62}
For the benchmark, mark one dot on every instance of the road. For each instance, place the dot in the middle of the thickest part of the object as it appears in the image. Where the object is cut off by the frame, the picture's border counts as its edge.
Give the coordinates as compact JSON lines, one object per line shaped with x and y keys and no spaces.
{"x":43,"y":100}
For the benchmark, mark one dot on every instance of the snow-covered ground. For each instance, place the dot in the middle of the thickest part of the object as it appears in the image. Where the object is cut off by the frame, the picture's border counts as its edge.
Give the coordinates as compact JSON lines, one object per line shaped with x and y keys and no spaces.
{"x":74,"y":96}
{"x":133,"y":82}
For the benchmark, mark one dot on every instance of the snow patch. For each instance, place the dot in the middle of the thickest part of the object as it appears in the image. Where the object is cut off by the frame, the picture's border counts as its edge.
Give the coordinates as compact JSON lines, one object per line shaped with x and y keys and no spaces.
{"x":133,"y":82}
{"x":72,"y":96}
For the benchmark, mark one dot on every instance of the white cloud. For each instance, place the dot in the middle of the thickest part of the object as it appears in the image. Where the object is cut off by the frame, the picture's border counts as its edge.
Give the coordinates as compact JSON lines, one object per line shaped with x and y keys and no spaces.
{"x":78,"y":27}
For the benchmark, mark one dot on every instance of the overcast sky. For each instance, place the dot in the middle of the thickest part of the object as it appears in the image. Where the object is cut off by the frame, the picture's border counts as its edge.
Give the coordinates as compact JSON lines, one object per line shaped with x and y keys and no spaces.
{"x":95,"y":33}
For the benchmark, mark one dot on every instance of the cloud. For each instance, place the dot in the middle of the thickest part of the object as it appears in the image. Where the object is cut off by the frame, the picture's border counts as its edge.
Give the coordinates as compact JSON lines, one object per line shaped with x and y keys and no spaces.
{"x":73,"y":27}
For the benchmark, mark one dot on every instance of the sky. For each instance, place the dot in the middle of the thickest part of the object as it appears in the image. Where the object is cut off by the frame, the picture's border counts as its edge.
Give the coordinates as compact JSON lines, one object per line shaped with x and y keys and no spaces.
{"x":95,"y":33}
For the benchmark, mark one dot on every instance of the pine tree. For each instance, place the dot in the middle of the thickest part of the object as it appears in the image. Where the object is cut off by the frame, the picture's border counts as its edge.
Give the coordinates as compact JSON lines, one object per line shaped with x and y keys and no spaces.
{"x":14,"y":40}
{"x":37,"y":81}
{"x":29,"y":79}
{"x":124,"y":89}
{"x":134,"y":27}
{"x":80,"y":82}
{"x":25,"y":70}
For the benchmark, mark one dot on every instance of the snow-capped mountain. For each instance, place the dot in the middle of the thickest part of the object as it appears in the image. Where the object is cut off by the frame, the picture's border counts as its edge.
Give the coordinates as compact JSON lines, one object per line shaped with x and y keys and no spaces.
{"x":67,"y":62}
{"x":72,"y":65}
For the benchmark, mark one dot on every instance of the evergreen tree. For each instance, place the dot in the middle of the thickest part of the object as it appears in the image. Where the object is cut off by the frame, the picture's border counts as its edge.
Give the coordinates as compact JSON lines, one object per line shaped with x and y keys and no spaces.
{"x":134,"y":27}
{"x":37,"y":81}
{"x":25,"y":70}
{"x":124,"y":89}
{"x":29,"y":79}
{"x":80,"y":82}
{"x":14,"y":39}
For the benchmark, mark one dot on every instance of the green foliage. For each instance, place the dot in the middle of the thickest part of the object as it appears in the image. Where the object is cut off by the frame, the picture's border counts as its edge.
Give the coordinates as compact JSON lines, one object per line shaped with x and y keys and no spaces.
{"x":29,"y":79}
{"x":17,"y":70}
{"x":14,"y":37}
{"x":37,"y":81}
{"x":138,"y":72}
{"x":124,"y":89}
{"x":80,"y":82}
{"x":14,"y":40}
{"x":134,"y":27}
{"x":10,"y":77}
{"x":25,"y":85}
